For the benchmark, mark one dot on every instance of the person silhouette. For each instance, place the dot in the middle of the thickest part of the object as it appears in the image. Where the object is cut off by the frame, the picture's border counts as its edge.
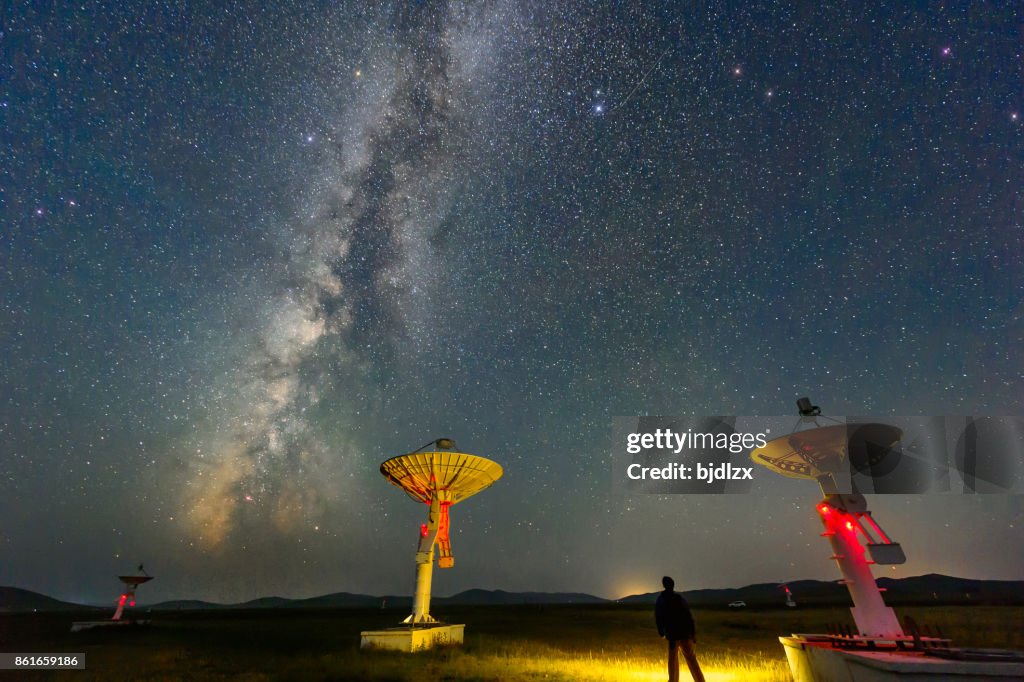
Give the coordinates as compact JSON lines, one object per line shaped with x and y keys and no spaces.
{"x":675,"y":623}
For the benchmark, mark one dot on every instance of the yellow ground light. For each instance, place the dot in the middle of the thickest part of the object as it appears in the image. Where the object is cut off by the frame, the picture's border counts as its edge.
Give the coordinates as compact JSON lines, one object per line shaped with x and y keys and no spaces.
{"x":609,"y":669}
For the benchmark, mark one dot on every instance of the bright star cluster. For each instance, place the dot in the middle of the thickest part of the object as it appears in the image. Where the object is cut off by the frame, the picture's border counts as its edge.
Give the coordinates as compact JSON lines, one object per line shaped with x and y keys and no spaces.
{"x":251,"y":251}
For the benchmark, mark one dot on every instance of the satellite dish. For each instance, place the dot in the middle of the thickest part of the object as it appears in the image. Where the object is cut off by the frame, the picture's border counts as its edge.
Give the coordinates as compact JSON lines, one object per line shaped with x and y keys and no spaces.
{"x":126,"y":599}
{"x":818,"y":453}
{"x":439,"y":478}
{"x":131,"y":583}
{"x":134,"y":580}
{"x":790,"y":602}
{"x":450,"y":476}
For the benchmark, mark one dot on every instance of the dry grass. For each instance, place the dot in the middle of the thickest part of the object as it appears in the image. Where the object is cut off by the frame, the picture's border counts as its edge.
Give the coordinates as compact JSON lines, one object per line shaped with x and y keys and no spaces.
{"x":514,"y":644}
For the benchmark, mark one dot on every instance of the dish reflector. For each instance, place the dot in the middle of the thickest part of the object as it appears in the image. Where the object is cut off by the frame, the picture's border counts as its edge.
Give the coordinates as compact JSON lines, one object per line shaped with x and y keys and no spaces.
{"x":134,"y":580}
{"x":817,"y":452}
{"x":450,"y":476}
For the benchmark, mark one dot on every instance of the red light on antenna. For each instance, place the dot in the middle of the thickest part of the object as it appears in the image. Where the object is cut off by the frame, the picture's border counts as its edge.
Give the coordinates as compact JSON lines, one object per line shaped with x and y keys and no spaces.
{"x":423,"y":530}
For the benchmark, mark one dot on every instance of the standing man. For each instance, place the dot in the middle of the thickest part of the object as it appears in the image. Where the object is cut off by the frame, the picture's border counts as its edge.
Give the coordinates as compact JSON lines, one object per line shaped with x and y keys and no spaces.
{"x":675,"y":623}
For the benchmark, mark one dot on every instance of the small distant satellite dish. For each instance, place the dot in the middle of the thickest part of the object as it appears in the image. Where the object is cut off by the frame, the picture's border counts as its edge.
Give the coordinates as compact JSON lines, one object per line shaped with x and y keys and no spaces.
{"x":131,"y":583}
{"x":126,"y":599}
{"x":790,"y":602}
{"x":134,"y":580}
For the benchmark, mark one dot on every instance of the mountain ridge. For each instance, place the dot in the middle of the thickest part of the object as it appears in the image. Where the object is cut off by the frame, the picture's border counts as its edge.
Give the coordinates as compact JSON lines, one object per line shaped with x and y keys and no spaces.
{"x":931,"y":588}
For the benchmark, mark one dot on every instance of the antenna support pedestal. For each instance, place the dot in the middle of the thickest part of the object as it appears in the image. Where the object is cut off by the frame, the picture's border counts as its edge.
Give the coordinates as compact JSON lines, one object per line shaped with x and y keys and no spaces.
{"x":872,"y":616}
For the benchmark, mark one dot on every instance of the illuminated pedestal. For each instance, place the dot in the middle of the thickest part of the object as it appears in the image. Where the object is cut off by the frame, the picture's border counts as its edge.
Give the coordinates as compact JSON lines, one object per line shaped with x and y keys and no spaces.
{"x":413,"y":639}
{"x":812,"y":658}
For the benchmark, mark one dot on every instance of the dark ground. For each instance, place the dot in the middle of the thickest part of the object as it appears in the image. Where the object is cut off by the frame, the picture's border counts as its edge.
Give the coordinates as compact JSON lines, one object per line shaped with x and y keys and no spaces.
{"x":282,"y":644}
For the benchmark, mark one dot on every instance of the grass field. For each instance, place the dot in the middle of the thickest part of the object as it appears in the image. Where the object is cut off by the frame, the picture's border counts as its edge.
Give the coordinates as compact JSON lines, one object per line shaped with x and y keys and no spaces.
{"x":514,"y":643}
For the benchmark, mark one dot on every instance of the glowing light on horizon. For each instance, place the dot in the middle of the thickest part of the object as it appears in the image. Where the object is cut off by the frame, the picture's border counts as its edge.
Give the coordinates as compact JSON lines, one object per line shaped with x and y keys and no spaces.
{"x":627,"y":587}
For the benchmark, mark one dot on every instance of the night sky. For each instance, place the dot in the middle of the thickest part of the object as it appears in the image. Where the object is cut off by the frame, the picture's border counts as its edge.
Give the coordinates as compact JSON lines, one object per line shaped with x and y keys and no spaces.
{"x":249,"y":251}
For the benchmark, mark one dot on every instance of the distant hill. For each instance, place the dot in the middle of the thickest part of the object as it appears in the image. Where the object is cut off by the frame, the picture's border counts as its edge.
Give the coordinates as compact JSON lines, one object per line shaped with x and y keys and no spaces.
{"x":349,"y":600}
{"x":762,"y":594}
{"x":503,"y":597}
{"x":919,"y":590}
{"x":943,"y":589}
{"x":184,"y":605}
{"x":265,"y":603}
{"x":15,"y":599}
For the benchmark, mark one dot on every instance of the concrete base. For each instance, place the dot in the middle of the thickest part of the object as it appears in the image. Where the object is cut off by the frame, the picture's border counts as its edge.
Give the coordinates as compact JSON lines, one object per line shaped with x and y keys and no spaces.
{"x":80,"y":625}
{"x":814,"y":659}
{"x":413,"y":639}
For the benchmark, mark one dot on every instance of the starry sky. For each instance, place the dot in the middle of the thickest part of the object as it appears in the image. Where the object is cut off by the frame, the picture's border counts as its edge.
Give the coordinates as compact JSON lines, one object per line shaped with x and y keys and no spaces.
{"x":250,"y":250}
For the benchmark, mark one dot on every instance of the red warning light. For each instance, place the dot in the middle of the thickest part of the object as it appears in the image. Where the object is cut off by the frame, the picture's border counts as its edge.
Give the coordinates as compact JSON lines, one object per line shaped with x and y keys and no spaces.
{"x":849,"y":525}
{"x":423,"y":530}
{"x":131,"y":603}
{"x":824,"y":509}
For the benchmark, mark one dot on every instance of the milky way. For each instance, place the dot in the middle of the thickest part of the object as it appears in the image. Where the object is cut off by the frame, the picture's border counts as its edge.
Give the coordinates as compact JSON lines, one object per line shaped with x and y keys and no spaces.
{"x":360,"y":275}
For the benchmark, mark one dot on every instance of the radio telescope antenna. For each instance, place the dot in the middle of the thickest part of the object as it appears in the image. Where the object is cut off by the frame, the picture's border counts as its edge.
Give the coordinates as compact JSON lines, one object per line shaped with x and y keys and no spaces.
{"x":131,"y":583}
{"x":879,"y":650}
{"x":789,"y":595}
{"x":817,"y":453}
{"x":440,"y":476}
{"x":127,"y":598}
